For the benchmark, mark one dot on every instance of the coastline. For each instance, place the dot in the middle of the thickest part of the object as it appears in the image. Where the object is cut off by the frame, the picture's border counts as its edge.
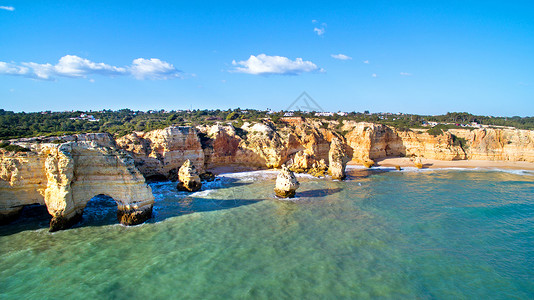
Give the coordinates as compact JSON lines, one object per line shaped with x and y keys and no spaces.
{"x":404,"y":162}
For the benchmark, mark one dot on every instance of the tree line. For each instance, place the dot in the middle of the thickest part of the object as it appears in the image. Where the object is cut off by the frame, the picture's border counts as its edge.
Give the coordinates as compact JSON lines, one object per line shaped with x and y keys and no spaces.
{"x":120,"y":122}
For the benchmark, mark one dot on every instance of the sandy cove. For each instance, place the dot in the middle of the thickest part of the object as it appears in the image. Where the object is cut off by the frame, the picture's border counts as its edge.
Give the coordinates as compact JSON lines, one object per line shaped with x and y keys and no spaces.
{"x":468,"y":164}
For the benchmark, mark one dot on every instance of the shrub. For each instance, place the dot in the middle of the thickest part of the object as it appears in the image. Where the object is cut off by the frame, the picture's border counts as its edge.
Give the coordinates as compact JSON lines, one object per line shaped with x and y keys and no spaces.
{"x":232,"y":116}
{"x":13,"y":148}
{"x":435,"y":131}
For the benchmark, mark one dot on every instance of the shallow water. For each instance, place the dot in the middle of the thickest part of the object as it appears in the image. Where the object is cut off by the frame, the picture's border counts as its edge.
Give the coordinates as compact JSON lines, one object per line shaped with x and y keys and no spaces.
{"x":444,"y":234}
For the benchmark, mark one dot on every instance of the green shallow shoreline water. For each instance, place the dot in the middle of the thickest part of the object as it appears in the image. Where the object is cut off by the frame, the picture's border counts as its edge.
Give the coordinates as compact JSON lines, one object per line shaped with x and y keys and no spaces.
{"x":438,"y":234}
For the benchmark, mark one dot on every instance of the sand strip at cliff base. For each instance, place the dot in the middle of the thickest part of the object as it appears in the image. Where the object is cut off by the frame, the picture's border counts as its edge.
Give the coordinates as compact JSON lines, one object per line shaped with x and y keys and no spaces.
{"x":468,"y":164}
{"x":231,"y":169}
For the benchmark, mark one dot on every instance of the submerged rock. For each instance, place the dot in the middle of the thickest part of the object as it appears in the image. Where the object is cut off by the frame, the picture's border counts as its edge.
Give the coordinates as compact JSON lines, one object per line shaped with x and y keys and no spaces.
{"x":338,"y":159}
{"x":188,"y":179}
{"x":286,"y":183}
{"x":207,"y":176}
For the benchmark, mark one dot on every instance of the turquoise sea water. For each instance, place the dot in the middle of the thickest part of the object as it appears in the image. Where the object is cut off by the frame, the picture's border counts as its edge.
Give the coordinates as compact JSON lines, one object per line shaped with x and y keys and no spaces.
{"x":443,"y":234}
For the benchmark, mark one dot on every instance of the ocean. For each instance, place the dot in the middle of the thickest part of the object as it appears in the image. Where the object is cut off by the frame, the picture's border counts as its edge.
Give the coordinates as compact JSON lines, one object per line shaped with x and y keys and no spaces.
{"x":427,"y":234}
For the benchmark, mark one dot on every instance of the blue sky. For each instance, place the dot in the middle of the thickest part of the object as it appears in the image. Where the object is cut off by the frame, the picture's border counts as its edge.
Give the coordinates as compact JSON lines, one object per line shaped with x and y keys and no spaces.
{"x":426,"y":57}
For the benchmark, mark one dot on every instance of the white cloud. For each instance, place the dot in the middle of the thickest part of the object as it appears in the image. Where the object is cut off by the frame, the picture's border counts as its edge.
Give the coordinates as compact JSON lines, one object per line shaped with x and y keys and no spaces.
{"x":366,"y":61}
{"x":265,"y":65}
{"x":12,"y":69}
{"x":73,"y":66}
{"x":319,"y":31}
{"x":10,"y":8}
{"x":153,"y":69}
{"x":405,"y":74}
{"x":374,"y":75}
{"x":341,"y":56}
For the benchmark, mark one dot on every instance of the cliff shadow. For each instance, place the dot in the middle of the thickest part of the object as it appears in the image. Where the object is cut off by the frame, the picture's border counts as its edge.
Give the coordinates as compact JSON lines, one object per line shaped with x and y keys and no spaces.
{"x":187,"y":205}
{"x":101,"y":210}
{"x":32,"y":217}
{"x":317,"y":193}
{"x":171,"y":203}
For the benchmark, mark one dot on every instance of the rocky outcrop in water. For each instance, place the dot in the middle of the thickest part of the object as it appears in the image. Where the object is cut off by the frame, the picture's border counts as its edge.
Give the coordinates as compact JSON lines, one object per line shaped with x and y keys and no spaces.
{"x":65,"y":176}
{"x":65,"y":172}
{"x":338,"y":159}
{"x":286,"y":183}
{"x":188,"y":179}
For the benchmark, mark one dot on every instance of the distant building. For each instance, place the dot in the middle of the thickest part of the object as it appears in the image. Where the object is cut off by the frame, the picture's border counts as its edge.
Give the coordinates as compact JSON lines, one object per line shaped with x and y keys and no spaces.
{"x":324,"y":114}
{"x":86,"y":117}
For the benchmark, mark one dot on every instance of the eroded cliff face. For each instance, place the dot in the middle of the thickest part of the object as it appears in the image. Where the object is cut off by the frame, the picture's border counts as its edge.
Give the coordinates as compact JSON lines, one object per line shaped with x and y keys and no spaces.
{"x":265,"y":145}
{"x":64,"y":177}
{"x":372,"y":141}
{"x":303,"y":143}
{"x":64,"y":173}
{"x":160,"y":153}
{"x":498,"y":144}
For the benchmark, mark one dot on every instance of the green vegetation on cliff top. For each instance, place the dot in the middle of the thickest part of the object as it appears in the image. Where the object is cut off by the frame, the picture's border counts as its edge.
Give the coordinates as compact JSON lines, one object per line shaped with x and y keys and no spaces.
{"x":124,"y":121}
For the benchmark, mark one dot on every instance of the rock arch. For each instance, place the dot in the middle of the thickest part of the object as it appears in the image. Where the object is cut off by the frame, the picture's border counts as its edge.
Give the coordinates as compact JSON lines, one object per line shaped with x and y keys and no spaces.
{"x":65,"y":177}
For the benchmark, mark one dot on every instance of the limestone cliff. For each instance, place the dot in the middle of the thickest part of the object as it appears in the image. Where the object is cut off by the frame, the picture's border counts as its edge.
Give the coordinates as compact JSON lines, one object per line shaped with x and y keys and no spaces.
{"x":372,"y":141}
{"x":337,"y":159}
{"x":160,"y":153}
{"x":498,"y":144}
{"x":303,"y":143}
{"x":64,"y":177}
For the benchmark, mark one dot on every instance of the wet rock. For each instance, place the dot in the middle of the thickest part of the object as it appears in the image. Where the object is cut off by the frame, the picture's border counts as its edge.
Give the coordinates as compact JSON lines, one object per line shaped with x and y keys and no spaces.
{"x":60,"y":222}
{"x":207,"y":176}
{"x":134,"y":216}
{"x":369,"y":163}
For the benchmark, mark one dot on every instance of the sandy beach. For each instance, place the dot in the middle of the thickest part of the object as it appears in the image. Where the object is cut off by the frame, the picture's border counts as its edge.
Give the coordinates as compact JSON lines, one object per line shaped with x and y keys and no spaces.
{"x":434,"y":164}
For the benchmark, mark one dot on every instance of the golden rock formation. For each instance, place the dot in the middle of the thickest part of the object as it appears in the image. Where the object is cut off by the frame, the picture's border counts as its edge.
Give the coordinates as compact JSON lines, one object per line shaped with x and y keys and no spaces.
{"x":286,"y":183}
{"x":64,"y":177}
{"x":188,"y":179}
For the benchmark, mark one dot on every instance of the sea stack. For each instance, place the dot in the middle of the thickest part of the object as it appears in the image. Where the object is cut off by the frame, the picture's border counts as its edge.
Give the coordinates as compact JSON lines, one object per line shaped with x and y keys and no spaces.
{"x":338,"y":159}
{"x":188,"y":179}
{"x":286,"y":183}
{"x":418,"y":162}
